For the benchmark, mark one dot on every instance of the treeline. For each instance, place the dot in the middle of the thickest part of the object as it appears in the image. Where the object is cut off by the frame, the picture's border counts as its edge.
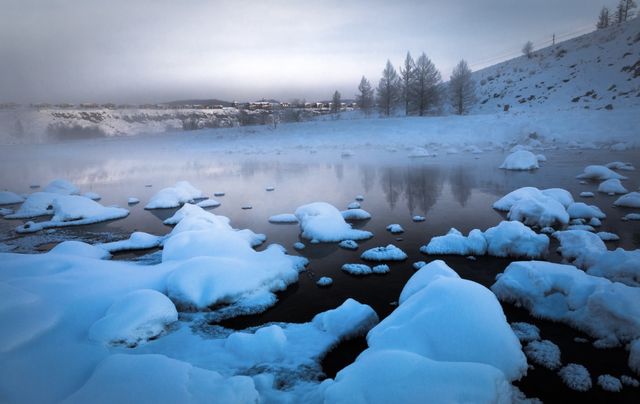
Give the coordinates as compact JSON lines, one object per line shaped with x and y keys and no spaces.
{"x":624,"y":11}
{"x":416,"y":88}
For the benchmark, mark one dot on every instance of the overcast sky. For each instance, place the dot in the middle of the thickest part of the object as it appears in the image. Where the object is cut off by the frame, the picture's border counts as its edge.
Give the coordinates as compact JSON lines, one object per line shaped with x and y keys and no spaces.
{"x":148,"y":51}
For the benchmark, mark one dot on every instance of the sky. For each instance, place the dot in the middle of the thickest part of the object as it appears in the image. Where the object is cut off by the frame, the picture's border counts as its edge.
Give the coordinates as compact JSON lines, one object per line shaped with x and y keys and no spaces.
{"x":160,"y":50}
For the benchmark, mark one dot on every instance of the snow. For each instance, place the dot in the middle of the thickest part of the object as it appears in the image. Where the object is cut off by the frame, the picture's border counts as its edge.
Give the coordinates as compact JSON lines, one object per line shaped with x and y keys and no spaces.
{"x":629,"y":381}
{"x":607,"y":236}
{"x":612,"y":186}
{"x":418,"y":218}
{"x":426,"y":274}
{"x":157,"y":378}
{"x":359,"y":198}
{"x":544,"y":353}
{"x":388,"y":253}
{"x":630,"y":200}
{"x":80,"y":249}
{"x":619,"y":165}
{"x":584,"y":227}
{"x":136,"y":317}
{"x":218,"y":193}
{"x":395,"y":229}
{"x":354,"y":205}
{"x":525,"y":332}
{"x":137,"y":241}
{"x":322,"y":222}
{"x":587,"y":194}
{"x":348,"y":245}
{"x":73,"y":210}
{"x":270,"y":188}
{"x":610,"y":383}
{"x":596,"y":172}
{"x":92,"y":195}
{"x":173,"y":197}
{"x":208,"y":203}
{"x":298,"y":246}
{"x":380,"y":269}
{"x":579,"y":210}
{"x":576,"y":377}
{"x":516,"y":240}
{"x":355,"y":214}
{"x":418,"y":264}
{"x":36,"y":204}
{"x":631,"y":216}
{"x":347,"y":321}
{"x":457,"y":244}
{"x":283,"y":218}
{"x":563,"y":293}
{"x":595,"y":222}
{"x":61,"y":187}
{"x":357,"y":269}
{"x":9,"y":198}
{"x":133,"y":200}
{"x":520,"y":160}
{"x":324,"y":281}
{"x":536,"y":207}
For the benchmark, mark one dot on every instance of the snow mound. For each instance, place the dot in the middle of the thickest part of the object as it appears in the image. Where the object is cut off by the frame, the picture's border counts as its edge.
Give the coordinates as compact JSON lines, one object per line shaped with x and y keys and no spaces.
{"x":92,"y":195}
{"x":456,"y":244}
{"x":138,"y":240}
{"x":283,"y":218}
{"x":516,"y":240}
{"x":427,"y":273}
{"x":298,"y":245}
{"x":535,"y":207}
{"x":348,"y":245}
{"x":418,"y":218}
{"x":348,"y":320}
{"x":395,"y":228}
{"x":525,"y":332}
{"x":610,"y":383}
{"x":61,"y":187}
{"x":631,"y":216}
{"x":421,"y":152}
{"x":36,"y":204}
{"x":563,"y":293}
{"x":579,"y":210}
{"x":576,"y":377}
{"x":74,"y":210}
{"x":587,"y":194}
{"x":322,"y":222}
{"x":600,"y":173}
{"x":137,"y":316}
{"x":208,"y":203}
{"x":324,"y":281}
{"x":354,"y":205}
{"x":388,"y":253}
{"x":357,"y":269}
{"x":544,"y":353}
{"x":630,"y":200}
{"x":619,"y":165}
{"x":611,"y":187}
{"x":520,"y":160}
{"x":159,"y":379}
{"x":172,"y":197}
{"x":381,"y":269}
{"x":607,"y":236}
{"x":355,"y":214}
{"x":80,"y":249}
{"x":267,"y":344}
{"x":8,"y":198}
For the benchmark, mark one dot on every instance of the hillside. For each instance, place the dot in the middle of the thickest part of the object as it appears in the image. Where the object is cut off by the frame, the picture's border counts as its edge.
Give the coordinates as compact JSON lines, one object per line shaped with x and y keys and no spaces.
{"x":594,"y":71}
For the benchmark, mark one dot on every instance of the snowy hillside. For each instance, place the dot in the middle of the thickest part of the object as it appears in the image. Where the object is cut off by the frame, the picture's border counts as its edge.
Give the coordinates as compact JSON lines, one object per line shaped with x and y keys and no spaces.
{"x":594,"y":71}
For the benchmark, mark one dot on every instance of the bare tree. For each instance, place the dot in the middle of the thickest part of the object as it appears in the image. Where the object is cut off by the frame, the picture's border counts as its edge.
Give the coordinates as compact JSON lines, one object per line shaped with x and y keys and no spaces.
{"x":603,"y":18}
{"x":425,"y":91}
{"x":527,"y":49}
{"x":336,"y":102}
{"x":462,"y":88}
{"x":407,"y":73}
{"x":388,"y":89}
{"x":624,"y":10}
{"x":365,"y":98}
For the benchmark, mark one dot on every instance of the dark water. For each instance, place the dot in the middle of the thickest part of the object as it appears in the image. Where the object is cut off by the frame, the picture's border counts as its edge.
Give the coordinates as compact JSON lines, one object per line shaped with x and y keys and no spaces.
{"x":450,"y":190}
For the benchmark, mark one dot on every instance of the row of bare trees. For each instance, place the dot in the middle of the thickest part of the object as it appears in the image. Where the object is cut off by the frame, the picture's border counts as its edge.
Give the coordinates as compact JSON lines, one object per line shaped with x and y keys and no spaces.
{"x":624,"y":11}
{"x":417,"y":88}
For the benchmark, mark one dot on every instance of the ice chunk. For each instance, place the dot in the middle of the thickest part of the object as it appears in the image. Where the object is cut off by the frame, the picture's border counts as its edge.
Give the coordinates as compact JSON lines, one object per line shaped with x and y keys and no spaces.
{"x":516,"y":240}
{"x":74,"y":210}
{"x":284,"y":218}
{"x":61,"y":187}
{"x":208,"y":203}
{"x":395,"y":229}
{"x":576,"y":377}
{"x":137,"y":316}
{"x":355,"y":214}
{"x":322,"y":222}
{"x":455,"y":243}
{"x":610,"y":383}
{"x":348,"y":245}
{"x":172,"y":197}
{"x":544,"y":353}
{"x":324,"y":281}
{"x":388,"y":253}
{"x":8,"y":198}
{"x":596,"y":172}
{"x":630,"y":200}
{"x":520,"y":160}
{"x":357,"y":269}
{"x":612,"y":186}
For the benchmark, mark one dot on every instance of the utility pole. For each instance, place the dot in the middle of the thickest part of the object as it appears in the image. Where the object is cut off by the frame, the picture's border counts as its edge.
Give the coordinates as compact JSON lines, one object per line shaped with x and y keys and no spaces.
{"x":553,"y":41}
